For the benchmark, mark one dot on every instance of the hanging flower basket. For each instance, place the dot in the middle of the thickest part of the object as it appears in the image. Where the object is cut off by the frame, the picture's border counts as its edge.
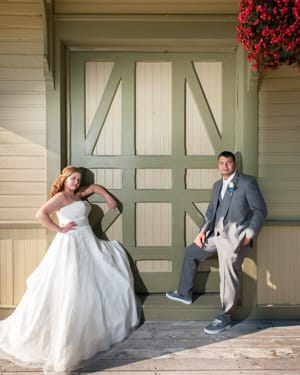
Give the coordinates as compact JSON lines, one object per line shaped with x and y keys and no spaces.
{"x":270,"y":32}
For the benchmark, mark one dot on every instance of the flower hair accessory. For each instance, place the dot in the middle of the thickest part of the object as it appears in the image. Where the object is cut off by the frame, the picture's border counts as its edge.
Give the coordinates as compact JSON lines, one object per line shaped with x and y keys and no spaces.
{"x":231,"y":187}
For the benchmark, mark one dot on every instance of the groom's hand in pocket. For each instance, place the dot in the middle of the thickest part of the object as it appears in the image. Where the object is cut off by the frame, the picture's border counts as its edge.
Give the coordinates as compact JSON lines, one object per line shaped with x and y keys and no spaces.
{"x":200,"y":239}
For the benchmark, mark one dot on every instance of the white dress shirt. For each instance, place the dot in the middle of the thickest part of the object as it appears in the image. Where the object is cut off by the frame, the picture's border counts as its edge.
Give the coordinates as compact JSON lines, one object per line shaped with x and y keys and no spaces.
{"x":226,"y":183}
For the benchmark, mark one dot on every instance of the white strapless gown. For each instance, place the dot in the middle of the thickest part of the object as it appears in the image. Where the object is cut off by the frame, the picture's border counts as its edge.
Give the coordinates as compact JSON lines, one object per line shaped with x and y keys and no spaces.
{"x":79,"y":301}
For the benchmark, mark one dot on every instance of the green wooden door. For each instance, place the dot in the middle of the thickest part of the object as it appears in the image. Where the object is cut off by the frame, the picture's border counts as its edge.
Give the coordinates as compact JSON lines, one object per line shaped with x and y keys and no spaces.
{"x":149,"y":126}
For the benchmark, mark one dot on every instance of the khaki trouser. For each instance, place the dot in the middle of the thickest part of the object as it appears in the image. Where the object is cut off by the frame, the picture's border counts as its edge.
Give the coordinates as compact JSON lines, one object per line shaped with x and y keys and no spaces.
{"x":230,"y":263}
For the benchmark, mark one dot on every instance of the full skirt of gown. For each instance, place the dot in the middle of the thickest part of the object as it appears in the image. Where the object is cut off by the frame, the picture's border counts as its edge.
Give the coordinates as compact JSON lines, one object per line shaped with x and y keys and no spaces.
{"x":80,"y":300}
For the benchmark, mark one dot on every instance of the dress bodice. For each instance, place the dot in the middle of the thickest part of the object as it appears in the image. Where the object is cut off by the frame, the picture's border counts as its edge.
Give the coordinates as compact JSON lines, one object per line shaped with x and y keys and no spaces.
{"x":77,"y":211}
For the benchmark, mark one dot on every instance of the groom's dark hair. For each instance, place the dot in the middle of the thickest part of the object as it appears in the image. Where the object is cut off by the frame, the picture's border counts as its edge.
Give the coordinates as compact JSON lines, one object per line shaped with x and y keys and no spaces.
{"x":227,"y":154}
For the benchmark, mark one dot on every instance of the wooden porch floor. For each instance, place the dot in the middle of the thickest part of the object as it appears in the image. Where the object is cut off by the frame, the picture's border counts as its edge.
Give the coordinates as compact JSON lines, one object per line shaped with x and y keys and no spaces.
{"x":182,"y":348}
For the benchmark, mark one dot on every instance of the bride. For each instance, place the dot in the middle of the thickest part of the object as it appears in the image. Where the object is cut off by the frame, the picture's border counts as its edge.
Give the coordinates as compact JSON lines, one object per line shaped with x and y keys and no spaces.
{"x":80,"y":300}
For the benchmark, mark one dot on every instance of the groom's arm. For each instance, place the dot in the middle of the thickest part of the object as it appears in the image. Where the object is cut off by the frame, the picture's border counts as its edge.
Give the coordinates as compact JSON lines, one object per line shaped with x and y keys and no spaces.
{"x":258,"y":206}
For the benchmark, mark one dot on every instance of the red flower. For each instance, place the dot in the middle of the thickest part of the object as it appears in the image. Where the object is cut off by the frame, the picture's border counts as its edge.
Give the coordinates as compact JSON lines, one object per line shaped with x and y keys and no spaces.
{"x":270,"y":32}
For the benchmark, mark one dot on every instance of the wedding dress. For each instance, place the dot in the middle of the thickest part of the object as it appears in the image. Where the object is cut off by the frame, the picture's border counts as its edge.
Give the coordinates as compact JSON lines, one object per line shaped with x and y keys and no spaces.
{"x":79,"y":301}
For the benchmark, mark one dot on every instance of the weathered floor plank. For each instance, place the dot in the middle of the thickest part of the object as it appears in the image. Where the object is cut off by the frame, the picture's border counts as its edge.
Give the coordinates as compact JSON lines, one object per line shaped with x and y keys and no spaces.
{"x":197,"y":372}
{"x":181,"y":347}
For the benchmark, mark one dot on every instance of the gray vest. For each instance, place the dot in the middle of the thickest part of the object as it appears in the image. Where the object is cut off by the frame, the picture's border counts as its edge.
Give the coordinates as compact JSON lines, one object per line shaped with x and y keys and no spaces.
{"x":220,"y":215}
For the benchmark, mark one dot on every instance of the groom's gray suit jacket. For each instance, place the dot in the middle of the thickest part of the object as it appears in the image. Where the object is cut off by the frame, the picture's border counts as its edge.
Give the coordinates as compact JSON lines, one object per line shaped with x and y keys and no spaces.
{"x":243,"y":209}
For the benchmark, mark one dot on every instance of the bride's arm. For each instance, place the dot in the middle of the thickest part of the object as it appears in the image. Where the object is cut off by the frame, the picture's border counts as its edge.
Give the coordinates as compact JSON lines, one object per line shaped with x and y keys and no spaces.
{"x":86,"y":191}
{"x":44,"y":214}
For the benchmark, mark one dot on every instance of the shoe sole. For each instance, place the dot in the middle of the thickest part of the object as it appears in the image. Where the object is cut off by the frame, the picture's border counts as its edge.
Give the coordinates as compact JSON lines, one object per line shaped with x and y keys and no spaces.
{"x":216,"y":332}
{"x":178,"y":300}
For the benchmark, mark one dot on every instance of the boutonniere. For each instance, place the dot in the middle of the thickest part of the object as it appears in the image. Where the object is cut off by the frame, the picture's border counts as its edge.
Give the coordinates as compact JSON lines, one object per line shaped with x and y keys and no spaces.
{"x":231,"y":187}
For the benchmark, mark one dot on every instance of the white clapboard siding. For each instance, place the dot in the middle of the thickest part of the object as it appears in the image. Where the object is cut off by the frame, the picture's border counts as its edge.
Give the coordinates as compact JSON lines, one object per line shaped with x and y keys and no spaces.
{"x":20,"y":47}
{"x":15,"y":20}
{"x":27,"y":61}
{"x":279,"y":176}
{"x":146,"y":7}
{"x":19,"y":214}
{"x":279,"y":142}
{"x":21,"y":7}
{"x":26,"y":87}
{"x":16,"y":201}
{"x":8,"y":137}
{"x":21,"y":175}
{"x":21,"y":162}
{"x":21,"y":250}
{"x":279,"y":264}
{"x":22,"y":111}
{"x":16,"y":189}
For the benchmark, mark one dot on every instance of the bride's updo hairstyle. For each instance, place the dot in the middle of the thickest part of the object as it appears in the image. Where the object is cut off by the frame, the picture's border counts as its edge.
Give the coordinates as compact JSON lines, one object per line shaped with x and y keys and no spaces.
{"x":58,"y":184}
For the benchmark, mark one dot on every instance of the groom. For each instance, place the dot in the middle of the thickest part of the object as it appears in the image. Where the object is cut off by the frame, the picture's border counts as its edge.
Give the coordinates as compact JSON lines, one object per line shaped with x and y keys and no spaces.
{"x":233,"y":218}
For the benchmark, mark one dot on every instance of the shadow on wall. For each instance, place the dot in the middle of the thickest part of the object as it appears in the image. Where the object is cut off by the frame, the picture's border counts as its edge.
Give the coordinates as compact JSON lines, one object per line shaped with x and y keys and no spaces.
{"x":99,"y":221}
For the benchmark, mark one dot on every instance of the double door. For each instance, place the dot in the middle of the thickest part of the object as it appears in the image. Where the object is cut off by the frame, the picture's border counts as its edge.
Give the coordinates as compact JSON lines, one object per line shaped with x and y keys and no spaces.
{"x":149,"y":126}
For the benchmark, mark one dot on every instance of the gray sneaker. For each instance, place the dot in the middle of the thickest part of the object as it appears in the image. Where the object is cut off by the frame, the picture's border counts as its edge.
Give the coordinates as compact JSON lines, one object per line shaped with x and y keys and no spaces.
{"x":174,"y":296}
{"x":217,"y":326}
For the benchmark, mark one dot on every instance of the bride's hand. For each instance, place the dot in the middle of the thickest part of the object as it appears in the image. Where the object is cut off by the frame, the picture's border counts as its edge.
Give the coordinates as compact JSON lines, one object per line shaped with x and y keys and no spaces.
{"x":67,"y":227}
{"x":111,"y":202}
